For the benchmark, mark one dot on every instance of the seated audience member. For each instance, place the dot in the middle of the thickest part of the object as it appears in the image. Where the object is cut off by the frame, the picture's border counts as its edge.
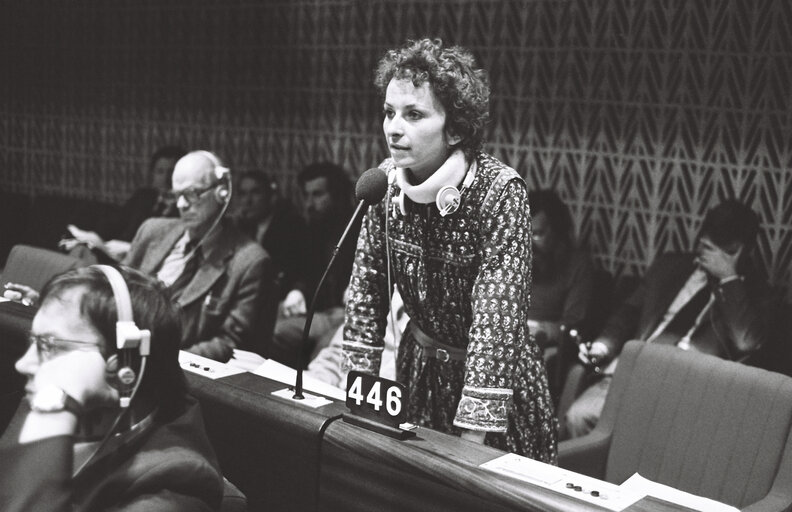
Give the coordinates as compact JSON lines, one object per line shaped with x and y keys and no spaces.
{"x":562,"y":273}
{"x":327,"y":196}
{"x":112,"y":240}
{"x":268,"y":219}
{"x":326,"y":365}
{"x":214,"y":272}
{"x":75,"y":447}
{"x":713,"y":301}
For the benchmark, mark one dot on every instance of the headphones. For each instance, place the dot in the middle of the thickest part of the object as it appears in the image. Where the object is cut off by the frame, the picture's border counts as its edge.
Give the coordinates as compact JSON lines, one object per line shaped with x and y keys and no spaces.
{"x":222,"y":193}
{"x":132,"y":343}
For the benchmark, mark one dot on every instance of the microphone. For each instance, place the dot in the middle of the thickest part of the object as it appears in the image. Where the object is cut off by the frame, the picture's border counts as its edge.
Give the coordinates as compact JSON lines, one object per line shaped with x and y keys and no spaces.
{"x":370,"y":189}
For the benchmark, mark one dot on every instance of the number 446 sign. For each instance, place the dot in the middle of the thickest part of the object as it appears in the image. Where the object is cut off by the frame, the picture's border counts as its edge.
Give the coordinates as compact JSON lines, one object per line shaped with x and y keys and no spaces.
{"x":376,"y":404}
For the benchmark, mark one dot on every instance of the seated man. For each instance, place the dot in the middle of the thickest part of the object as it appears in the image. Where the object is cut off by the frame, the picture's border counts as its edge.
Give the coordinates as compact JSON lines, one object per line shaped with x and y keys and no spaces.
{"x":327,"y":195}
{"x":82,"y":447}
{"x":112,"y":240}
{"x":214,"y":272}
{"x":562,"y":273}
{"x":712,"y":301}
{"x":271,"y":221}
{"x":562,"y":284}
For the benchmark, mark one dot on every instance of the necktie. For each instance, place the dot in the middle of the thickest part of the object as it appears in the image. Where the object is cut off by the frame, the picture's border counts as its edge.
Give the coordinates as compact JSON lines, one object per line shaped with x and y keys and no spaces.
{"x":685,"y":318}
{"x":190,"y":268}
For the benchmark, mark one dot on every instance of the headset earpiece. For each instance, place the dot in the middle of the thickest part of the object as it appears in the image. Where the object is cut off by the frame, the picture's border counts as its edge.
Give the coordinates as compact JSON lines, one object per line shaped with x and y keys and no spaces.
{"x":111,"y":370}
{"x":221,"y":194}
{"x":132,"y":343}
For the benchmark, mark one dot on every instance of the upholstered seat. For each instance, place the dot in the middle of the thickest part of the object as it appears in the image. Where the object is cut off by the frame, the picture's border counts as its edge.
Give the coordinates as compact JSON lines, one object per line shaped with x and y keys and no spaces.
{"x":695,"y":422}
{"x":34,"y":266}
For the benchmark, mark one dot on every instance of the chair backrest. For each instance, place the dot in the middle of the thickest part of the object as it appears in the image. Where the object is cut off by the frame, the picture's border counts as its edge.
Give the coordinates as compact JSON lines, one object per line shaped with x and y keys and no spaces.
{"x":698,"y":423}
{"x":234,"y":500}
{"x":34,"y":266}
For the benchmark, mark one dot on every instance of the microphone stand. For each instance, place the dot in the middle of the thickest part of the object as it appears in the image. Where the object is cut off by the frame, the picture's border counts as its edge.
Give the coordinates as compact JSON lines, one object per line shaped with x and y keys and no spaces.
{"x":298,"y":385}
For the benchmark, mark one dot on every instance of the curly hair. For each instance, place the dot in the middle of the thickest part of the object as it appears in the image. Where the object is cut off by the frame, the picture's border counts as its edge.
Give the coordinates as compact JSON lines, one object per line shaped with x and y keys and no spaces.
{"x":453,"y":76}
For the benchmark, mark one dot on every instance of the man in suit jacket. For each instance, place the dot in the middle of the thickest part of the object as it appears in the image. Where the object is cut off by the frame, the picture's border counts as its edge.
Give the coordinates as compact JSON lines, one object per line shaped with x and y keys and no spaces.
{"x":216,"y":274}
{"x":713,"y":301}
{"x":271,"y":221}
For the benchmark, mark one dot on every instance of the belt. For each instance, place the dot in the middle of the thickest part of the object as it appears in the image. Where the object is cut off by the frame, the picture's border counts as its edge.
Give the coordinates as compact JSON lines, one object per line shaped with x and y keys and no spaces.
{"x":435,"y":349}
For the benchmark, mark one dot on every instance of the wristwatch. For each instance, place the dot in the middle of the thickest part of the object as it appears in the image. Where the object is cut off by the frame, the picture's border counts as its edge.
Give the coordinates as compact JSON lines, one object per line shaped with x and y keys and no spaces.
{"x":54,"y":399}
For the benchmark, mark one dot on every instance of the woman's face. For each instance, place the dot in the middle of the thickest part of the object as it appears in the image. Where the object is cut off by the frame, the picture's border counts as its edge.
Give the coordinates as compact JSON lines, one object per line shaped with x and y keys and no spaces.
{"x":414,"y":127}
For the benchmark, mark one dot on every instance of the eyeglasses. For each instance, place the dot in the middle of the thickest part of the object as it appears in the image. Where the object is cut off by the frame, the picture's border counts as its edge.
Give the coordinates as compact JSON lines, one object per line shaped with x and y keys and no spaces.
{"x":191,"y":195}
{"x":49,"y":346}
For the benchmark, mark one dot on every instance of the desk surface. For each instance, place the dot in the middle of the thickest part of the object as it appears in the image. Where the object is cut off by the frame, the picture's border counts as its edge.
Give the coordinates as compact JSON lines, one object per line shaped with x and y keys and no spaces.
{"x":364,"y":471}
{"x":267,"y":445}
{"x":289,"y":457}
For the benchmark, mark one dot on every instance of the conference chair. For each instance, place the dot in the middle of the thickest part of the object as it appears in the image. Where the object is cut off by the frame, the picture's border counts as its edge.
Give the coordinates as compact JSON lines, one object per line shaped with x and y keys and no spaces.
{"x":695,"y":422}
{"x":34,"y":266}
{"x":31,"y":266}
{"x":233,"y":499}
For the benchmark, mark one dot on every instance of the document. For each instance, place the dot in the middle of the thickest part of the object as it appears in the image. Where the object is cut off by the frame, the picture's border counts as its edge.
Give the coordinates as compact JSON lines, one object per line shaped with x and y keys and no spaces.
{"x":207,"y":367}
{"x":569,"y":483}
{"x":641,"y":485}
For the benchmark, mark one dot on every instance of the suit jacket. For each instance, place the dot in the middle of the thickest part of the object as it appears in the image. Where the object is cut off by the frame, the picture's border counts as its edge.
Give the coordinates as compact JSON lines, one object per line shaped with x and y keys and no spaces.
{"x":285,"y":240}
{"x":172,"y":467}
{"x":737,"y":324}
{"x":222,"y":305}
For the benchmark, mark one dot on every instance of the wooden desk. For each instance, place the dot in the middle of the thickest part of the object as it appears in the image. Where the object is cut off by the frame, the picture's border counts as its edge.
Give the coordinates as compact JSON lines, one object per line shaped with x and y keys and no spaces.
{"x":268,"y":446}
{"x":363,"y":471}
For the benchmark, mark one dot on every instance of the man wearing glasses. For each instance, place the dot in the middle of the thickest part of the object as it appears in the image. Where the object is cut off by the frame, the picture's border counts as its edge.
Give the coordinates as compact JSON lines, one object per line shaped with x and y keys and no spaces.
{"x":76,"y":444}
{"x":214,"y":272}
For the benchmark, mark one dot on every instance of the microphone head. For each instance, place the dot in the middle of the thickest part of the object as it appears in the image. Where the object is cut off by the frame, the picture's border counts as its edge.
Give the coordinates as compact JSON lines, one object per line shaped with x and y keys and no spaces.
{"x":371,"y":186}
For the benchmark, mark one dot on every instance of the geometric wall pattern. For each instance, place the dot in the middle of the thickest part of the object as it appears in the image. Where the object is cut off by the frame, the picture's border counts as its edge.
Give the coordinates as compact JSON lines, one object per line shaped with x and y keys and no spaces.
{"x":642,"y":114}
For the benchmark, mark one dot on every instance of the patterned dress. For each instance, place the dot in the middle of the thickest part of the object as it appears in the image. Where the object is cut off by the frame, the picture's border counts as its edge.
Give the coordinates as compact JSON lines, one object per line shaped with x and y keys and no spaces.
{"x":465,"y":282}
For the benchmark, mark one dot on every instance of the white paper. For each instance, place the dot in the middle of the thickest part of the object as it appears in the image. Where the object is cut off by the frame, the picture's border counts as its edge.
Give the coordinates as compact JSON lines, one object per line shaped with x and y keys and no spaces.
{"x":639,"y":484}
{"x":606,"y":495}
{"x":281,"y":373}
{"x":207,"y":367}
{"x":248,"y":361}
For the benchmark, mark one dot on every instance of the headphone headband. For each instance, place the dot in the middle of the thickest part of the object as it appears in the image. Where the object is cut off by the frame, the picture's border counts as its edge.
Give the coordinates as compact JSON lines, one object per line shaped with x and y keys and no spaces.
{"x":128,"y":335}
{"x":221,"y":172}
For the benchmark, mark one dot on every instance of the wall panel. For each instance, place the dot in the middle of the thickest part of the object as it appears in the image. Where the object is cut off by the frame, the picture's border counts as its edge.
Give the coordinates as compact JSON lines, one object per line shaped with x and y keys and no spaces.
{"x":642,"y":113}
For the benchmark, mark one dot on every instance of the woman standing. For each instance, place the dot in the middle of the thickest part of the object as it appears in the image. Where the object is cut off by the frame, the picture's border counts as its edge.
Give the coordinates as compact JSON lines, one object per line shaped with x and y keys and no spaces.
{"x":454,"y":231}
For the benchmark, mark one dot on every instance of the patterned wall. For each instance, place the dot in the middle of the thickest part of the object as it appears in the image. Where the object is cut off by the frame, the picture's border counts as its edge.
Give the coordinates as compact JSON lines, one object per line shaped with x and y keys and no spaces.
{"x":641,"y":113}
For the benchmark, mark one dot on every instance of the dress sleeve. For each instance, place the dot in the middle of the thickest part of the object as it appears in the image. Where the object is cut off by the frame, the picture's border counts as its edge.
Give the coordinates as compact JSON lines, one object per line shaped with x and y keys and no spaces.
{"x":366,"y":309}
{"x":500,"y":296}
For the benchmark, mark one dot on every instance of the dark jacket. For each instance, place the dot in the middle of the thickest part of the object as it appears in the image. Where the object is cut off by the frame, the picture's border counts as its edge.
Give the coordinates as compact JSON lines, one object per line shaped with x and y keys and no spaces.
{"x":737,"y":324}
{"x":222,"y":303}
{"x":172,"y":468}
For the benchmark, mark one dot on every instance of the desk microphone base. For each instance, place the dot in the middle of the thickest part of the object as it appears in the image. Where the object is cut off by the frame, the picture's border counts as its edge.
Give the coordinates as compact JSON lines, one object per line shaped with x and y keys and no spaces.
{"x":380,"y":428}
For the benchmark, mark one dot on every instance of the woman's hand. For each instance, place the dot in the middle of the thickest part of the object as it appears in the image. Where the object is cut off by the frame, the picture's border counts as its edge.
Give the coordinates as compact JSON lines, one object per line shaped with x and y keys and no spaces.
{"x":474,"y":436}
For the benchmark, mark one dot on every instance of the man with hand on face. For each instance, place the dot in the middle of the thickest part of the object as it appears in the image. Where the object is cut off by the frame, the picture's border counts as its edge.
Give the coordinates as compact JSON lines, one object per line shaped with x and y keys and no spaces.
{"x":213,"y":271}
{"x":713,"y":301}
{"x":106,"y":430}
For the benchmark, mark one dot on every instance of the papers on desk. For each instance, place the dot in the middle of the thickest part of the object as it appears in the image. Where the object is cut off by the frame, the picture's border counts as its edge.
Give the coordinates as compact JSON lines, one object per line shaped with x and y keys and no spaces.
{"x":206,"y":367}
{"x":280,"y":372}
{"x":248,"y":361}
{"x":641,"y":485}
{"x":569,"y":483}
